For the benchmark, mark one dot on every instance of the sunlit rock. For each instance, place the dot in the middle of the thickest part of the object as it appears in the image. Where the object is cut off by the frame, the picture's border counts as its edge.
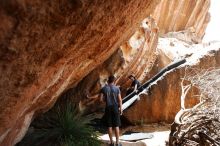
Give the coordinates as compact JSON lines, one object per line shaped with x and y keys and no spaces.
{"x":49,"y":46}
{"x":173,"y":15}
{"x":162,"y":101}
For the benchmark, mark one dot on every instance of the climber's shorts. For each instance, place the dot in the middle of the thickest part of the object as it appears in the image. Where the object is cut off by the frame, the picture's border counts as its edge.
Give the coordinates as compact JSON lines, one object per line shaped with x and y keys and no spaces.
{"x":112,"y":116}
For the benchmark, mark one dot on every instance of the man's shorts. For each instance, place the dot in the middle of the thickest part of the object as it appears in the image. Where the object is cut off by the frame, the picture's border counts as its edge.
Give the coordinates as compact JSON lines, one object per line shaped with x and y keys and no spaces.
{"x":112,"y":116}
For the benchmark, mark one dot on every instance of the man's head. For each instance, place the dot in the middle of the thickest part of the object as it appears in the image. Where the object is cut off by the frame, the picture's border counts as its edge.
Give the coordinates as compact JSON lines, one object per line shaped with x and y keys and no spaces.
{"x":132,"y":77}
{"x":111,"y":79}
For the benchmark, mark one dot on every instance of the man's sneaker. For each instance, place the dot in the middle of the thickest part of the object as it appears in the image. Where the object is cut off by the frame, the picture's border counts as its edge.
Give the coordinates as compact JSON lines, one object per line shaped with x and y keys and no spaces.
{"x":119,"y":144}
{"x":112,"y":144}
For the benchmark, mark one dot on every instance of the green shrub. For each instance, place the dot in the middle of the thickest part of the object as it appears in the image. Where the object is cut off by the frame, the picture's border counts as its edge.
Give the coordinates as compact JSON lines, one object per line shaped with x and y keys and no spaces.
{"x":62,"y":127}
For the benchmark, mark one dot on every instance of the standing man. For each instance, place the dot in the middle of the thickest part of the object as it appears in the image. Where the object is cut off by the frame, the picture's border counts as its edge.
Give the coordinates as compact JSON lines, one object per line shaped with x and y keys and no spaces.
{"x":111,"y":95}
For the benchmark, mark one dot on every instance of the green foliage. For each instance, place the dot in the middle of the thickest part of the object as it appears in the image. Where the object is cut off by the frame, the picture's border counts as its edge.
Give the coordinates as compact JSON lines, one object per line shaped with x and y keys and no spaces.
{"x":62,"y":127}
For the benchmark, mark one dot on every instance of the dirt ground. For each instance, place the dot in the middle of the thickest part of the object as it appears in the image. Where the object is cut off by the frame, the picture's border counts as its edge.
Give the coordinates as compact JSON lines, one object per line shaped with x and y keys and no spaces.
{"x":160,"y":132}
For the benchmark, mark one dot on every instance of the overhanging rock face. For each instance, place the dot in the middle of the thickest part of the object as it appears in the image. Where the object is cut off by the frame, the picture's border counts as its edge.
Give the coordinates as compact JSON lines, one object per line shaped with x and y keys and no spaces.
{"x":190,"y":19}
{"x":48,"y":46}
{"x":135,"y":56}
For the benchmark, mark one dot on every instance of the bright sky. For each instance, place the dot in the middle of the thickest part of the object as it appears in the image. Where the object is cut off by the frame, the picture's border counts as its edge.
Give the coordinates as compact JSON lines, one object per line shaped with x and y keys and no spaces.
{"x":213,"y":29}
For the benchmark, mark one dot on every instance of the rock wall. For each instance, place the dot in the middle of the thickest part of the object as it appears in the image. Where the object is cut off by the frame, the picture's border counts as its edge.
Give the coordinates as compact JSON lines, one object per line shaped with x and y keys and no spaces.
{"x":49,"y":46}
{"x":135,"y":56}
{"x":163,"y":99}
{"x":189,"y":18}
{"x":173,"y":15}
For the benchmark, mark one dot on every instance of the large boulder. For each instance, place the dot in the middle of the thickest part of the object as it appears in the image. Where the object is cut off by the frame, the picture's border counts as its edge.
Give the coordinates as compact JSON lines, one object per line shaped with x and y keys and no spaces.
{"x":162,"y":101}
{"x":49,"y":46}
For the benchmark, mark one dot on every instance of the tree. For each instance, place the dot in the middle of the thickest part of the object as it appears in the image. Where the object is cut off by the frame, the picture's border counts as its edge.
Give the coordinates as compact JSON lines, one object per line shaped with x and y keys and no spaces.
{"x":199,"y":125}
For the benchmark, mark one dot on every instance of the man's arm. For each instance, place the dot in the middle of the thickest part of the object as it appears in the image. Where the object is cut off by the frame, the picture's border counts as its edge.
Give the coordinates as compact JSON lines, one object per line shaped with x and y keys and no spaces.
{"x":135,"y":87}
{"x":92,"y":97}
{"x":137,"y":83}
{"x":101,"y":97}
{"x":120,"y":103}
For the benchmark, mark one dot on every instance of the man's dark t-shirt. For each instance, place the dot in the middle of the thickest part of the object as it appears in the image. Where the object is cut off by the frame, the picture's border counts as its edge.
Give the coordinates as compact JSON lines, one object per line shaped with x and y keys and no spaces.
{"x":135,"y":82}
{"x":131,"y":89}
{"x":111,"y":117}
{"x":110,"y":93}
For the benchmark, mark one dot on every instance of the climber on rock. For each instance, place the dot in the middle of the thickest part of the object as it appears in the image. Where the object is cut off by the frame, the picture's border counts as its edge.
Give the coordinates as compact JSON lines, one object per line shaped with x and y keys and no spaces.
{"x":111,"y":95}
{"x":134,"y":85}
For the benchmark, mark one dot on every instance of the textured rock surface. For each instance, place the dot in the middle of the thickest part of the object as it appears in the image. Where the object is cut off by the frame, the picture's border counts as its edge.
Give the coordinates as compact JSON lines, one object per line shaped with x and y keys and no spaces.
{"x":48,"y":46}
{"x":173,"y":15}
{"x":135,"y":56}
{"x":163,"y":99}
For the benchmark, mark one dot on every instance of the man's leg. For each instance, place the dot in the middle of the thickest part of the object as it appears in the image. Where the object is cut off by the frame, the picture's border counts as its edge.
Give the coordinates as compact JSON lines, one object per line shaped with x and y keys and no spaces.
{"x":110,"y":134}
{"x":116,"y":124}
{"x":117,"y":134}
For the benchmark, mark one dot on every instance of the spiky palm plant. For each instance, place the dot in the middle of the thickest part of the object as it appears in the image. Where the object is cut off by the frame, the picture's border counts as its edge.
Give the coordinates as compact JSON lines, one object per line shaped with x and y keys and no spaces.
{"x":62,"y":127}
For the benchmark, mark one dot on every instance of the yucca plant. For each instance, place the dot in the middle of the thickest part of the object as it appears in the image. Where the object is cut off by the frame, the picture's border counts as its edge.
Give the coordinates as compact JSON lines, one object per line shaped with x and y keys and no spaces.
{"x":62,"y":127}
